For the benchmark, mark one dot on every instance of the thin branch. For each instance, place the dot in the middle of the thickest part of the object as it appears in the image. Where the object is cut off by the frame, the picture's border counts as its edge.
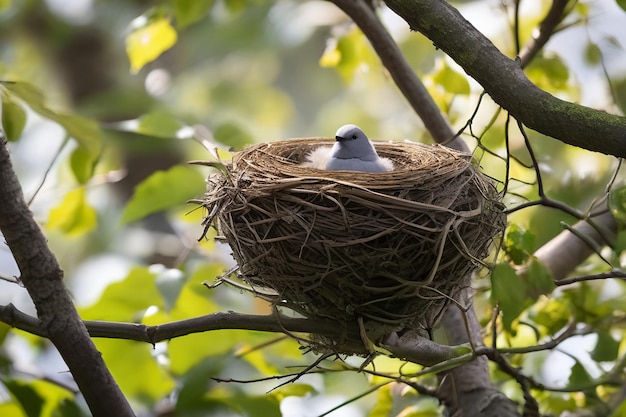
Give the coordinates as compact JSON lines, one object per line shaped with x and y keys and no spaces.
{"x":403,"y":75}
{"x":419,"y":388}
{"x":567,"y":332}
{"x":531,"y":407}
{"x":533,"y":158}
{"x":303,"y":372}
{"x":355,"y":398}
{"x":10,"y":278}
{"x":31,"y":373}
{"x":544,"y":32}
{"x":604,"y":275}
{"x":519,"y":376}
{"x":516,"y":25}
{"x":48,"y":169}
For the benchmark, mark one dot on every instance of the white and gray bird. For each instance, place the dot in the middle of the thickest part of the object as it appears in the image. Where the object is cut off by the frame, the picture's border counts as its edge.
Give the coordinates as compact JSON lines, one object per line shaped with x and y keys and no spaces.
{"x":352,"y":151}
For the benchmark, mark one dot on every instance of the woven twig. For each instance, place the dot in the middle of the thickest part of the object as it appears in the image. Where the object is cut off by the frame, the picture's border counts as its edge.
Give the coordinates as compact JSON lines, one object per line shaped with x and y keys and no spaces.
{"x":392,"y":248}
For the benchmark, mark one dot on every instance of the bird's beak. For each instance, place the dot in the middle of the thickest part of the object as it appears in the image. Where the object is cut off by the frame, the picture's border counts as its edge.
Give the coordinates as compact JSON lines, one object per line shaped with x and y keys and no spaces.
{"x":338,"y":138}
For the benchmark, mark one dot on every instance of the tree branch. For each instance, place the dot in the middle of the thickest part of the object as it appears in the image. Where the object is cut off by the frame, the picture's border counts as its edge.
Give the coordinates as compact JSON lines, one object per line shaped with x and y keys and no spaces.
{"x":43,"y":279}
{"x":506,"y":82}
{"x":564,"y":252}
{"x":403,"y":75}
{"x":544,"y":32}
{"x":161,"y":332}
{"x":468,"y":387}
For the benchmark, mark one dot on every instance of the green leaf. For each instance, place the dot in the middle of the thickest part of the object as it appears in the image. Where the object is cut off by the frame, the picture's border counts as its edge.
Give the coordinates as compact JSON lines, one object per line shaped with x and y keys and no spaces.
{"x":620,"y":93}
{"x":136,"y":370}
{"x":593,"y":55}
{"x":617,"y":203}
{"x":551,"y":313}
{"x":236,"y":6}
{"x":170,"y":283}
{"x":256,"y":405}
{"x":508,"y":291}
{"x":538,"y":279}
{"x":518,"y":243}
{"x":74,"y":216}
{"x":622,"y":4}
{"x":83,"y":164}
{"x":548,"y":72}
{"x":347,"y":54}
{"x":582,"y":9}
{"x":4,"y":331}
{"x":86,"y":132}
{"x":163,"y":190}
{"x":579,"y":377}
{"x":147,"y":43}
{"x":186,"y":352}
{"x":127,"y":300}
{"x":10,"y":409}
{"x":232,"y":135}
{"x":197,"y":381}
{"x":295,"y":390}
{"x":68,"y":408}
{"x":194,"y":298}
{"x":207,"y":272}
{"x":199,"y":392}
{"x":606,"y":349}
{"x":13,"y":118}
{"x":384,"y":403}
{"x":258,"y":359}
{"x":451,"y":81}
{"x":187,"y":12}
{"x":162,"y":125}
{"x":620,"y":242}
{"x":28,"y":398}
{"x":158,"y":124}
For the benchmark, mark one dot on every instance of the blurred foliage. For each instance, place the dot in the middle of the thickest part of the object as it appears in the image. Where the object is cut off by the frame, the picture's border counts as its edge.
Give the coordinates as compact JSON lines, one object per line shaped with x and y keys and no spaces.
{"x":148,"y":42}
{"x":102,"y":102}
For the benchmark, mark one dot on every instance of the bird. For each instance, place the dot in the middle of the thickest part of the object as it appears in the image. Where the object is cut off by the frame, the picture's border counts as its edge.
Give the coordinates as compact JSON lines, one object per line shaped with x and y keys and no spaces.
{"x":352,"y":151}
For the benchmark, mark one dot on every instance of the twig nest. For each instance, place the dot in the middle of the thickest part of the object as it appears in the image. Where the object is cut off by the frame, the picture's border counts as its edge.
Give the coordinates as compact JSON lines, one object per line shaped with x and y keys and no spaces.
{"x":391,"y":248}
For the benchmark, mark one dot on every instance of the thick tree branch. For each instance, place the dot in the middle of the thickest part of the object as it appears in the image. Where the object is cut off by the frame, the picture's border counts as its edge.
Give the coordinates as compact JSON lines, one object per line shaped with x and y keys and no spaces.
{"x":506,"y":82}
{"x":43,"y":279}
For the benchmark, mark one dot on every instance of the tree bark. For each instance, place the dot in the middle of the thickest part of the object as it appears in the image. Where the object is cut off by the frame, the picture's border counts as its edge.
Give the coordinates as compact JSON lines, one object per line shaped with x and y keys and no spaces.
{"x":506,"y":83}
{"x":467,"y":389}
{"x":564,"y":252}
{"x":43,"y":279}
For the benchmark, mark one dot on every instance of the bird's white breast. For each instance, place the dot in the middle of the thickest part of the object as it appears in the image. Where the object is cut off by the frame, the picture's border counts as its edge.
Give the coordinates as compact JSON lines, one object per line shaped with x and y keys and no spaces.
{"x":355,"y":164}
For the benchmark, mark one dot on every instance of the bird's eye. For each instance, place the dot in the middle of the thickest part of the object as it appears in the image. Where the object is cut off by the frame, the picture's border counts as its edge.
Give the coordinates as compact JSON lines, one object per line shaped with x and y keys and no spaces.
{"x":353,"y":136}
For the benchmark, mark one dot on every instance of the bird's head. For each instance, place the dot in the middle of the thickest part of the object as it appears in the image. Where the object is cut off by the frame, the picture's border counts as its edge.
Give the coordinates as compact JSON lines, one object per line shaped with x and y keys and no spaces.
{"x":351,"y":142}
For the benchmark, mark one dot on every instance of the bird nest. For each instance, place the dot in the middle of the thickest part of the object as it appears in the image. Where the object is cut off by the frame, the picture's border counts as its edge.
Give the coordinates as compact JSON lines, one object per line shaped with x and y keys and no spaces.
{"x":390,"y":249}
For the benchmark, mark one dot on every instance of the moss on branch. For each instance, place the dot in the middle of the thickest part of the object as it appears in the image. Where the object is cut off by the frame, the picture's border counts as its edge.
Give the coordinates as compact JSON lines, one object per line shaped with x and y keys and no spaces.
{"x":505,"y":81}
